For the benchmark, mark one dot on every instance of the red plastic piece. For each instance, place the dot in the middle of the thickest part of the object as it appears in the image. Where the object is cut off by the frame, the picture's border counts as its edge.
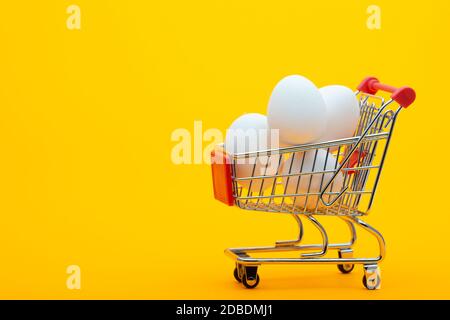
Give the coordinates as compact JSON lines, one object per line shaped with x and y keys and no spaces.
{"x":221,"y":174}
{"x":404,"y":96}
{"x":355,"y":158}
{"x":366,"y":85}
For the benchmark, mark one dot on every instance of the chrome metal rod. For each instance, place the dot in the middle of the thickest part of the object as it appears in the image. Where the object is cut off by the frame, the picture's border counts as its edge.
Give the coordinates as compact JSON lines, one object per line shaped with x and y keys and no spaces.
{"x":246,"y":260}
{"x":351,"y":226}
{"x":376,"y":234}
{"x":316,"y":173}
{"x":306,"y":147}
{"x":324,"y":235}
{"x":307,"y":247}
{"x":287,"y":243}
{"x":299,"y":195}
{"x":377,"y":179}
{"x":258,"y":261}
{"x":240,"y":254}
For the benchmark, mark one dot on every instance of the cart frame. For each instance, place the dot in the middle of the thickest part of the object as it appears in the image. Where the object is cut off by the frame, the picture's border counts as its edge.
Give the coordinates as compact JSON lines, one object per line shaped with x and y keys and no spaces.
{"x":374,"y":132}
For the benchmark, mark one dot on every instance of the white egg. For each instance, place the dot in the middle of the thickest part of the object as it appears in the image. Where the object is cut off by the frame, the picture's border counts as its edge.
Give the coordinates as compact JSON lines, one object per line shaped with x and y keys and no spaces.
{"x":343,"y":113}
{"x":309,"y":162}
{"x":250,"y":133}
{"x":298,"y":110}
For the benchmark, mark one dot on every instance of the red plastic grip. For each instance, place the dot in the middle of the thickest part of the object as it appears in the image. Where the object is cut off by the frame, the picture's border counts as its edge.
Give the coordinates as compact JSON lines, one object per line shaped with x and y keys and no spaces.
{"x":404,"y":96}
{"x":221,"y":174}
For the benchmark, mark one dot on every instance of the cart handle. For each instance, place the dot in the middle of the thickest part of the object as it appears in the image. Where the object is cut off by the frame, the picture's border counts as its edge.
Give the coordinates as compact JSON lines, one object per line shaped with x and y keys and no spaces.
{"x":404,"y":96}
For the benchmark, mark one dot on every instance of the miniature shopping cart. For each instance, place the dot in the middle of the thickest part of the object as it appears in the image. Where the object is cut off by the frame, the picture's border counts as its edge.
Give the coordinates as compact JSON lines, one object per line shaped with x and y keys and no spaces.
{"x":358,"y":164}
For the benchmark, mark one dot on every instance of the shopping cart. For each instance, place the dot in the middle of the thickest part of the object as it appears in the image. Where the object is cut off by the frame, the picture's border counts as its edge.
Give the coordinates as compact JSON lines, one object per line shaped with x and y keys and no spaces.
{"x":346,"y":190}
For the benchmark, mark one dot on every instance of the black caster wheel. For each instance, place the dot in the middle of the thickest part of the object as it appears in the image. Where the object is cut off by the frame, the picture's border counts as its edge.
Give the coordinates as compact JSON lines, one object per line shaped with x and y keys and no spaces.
{"x":250,"y":282}
{"x":346,"y":268}
{"x":373,"y":284}
{"x":236,"y":275}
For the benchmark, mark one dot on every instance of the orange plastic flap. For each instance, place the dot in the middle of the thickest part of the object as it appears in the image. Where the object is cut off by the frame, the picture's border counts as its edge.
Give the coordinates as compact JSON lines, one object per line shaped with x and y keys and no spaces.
{"x":221,"y":174}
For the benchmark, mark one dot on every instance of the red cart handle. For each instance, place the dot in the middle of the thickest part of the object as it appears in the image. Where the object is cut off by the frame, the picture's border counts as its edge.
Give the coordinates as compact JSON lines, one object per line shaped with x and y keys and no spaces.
{"x":404,"y":96}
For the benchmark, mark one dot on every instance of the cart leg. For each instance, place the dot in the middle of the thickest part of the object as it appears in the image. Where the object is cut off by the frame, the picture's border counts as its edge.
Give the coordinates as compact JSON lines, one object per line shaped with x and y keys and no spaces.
{"x":288,"y":243}
{"x":352,"y":228}
{"x":372,"y":277}
{"x":376,"y":234}
{"x":324,"y":239}
{"x":346,"y":254}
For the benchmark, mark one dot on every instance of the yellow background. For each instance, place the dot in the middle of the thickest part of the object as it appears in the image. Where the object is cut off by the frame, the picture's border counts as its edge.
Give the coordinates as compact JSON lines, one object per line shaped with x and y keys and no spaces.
{"x":86,"y":116}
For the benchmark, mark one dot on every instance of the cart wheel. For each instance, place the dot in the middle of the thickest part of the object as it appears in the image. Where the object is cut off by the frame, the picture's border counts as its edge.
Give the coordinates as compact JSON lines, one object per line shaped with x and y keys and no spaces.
{"x":372,"y":284}
{"x":236,"y":275}
{"x":250,"y":282}
{"x":346,"y":268}
{"x":372,"y":278}
{"x":250,"y":277}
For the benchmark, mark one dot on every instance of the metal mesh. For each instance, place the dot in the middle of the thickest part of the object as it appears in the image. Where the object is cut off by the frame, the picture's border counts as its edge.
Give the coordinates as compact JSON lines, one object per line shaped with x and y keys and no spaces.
{"x":294,"y":179}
